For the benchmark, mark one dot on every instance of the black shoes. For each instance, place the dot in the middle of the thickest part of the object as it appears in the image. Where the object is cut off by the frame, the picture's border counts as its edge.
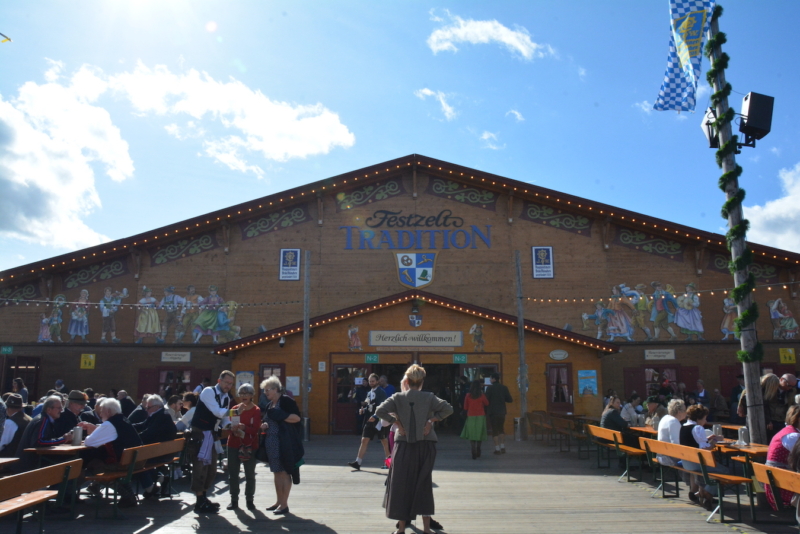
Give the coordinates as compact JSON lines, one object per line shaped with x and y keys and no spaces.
{"x":355,"y":465}
{"x":435,"y":525}
{"x":129,"y":501}
{"x":234,"y":505}
{"x":273,"y":507}
{"x":250,"y":504}
{"x":281,"y":512}
{"x":205,"y":507}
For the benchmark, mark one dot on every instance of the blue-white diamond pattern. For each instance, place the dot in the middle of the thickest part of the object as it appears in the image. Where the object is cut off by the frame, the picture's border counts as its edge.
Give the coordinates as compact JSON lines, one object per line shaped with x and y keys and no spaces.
{"x":679,"y":87}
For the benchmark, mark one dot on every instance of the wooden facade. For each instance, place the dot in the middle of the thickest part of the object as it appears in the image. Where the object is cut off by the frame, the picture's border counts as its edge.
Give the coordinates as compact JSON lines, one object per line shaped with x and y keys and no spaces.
{"x":360,"y":227}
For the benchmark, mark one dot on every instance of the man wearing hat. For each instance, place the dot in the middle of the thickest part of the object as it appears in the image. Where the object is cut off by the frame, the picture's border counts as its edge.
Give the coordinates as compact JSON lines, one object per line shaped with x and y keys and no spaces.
{"x":16,"y":422}
{"x":74,"y":412}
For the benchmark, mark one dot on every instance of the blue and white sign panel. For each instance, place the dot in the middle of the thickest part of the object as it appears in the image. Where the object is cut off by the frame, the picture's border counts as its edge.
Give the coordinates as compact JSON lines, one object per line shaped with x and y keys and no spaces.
{"x":290,"y":264}
{"x":543,"y":262}
{"x":689,"y":22}
{"x":415,"y":270}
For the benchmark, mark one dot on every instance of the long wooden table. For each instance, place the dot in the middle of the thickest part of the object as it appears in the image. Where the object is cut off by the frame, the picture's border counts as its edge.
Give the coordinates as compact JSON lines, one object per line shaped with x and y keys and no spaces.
{"x":647,"y":430}
{"x":58,"y":450}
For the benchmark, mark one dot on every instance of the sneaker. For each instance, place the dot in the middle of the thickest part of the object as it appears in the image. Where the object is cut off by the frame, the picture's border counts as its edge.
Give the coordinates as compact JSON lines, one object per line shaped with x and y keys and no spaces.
{"x":355,"y":465}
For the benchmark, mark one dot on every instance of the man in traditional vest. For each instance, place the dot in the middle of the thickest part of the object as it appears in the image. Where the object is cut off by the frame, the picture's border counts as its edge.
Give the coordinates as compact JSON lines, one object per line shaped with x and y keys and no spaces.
{"x":212,"y":410}
{"x":16,"y":422}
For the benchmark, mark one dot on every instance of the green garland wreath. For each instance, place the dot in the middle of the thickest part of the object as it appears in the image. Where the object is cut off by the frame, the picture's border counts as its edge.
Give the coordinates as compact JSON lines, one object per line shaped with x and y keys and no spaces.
{"x":748,"y":318}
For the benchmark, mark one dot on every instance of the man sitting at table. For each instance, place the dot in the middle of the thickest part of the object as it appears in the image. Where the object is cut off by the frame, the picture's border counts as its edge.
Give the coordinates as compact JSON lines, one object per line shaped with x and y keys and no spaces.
{"x":158,"y":427}
{"x":109,"y":439}
{"x":42,"y":432}
{"x":16,"y":423}
{"x":74,"y":413}
{"x":139,"y":414}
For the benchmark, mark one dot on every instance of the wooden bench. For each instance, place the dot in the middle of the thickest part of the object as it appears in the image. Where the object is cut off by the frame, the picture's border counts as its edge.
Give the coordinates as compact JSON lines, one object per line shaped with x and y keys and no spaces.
{"x":778,"y":479}
{"x":136,"y":460}
{"x":705,"y":458}
{"x":22,"y":491}
{"x":539,"y":420}
{"x":612,"y":440}
{"x":567,"y":430}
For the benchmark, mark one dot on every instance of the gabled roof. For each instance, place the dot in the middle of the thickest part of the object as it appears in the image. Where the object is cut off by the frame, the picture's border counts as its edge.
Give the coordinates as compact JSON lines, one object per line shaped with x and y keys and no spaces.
{"x":382,"y":171}
{"x":430,"y":298}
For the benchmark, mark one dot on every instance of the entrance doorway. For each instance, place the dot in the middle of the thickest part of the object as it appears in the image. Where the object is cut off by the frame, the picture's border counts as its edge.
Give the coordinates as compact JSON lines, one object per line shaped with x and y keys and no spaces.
{"x":26,"y":368}
{"x":559,"y":387}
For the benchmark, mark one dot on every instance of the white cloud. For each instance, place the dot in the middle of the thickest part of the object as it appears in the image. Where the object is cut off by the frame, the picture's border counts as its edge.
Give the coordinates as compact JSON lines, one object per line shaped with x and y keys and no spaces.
{"x":447,"y":109}
{"x":517,"y":115}
{"x":703,"y":90}
{"x":582,"y":73}
{"x":191,"y":130}
{"x":276,"y":130}
{"x":777,"y":222}
{"x":53,"y":137}
{"x":775,"y":150}
{"x":434,"y":17}
{"x":459,"y":30}
{"x":490,"y":140}
{"x":644,"y":106}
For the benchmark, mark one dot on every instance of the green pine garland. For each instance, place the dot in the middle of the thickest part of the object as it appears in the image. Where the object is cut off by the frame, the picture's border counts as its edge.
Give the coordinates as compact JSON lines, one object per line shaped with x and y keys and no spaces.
{"x":748,"y":318}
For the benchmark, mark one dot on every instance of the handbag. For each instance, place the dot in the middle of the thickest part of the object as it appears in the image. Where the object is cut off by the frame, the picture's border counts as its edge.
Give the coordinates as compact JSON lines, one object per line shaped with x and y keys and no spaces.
{"x":245,"y":453}
{"x":261,"y":452}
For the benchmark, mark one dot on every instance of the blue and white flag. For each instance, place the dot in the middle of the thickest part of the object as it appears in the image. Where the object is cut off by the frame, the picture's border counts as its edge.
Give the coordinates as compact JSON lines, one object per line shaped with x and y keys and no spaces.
{"x":690,"y":20}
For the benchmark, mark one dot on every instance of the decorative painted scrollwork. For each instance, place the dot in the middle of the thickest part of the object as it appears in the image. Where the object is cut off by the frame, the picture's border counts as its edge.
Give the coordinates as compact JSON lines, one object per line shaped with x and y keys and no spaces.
{"x":94,"y":273}
{"x":274,"y":221}
{"x":368,"y":194}
{"x":26,"y":292}
{"x":554,"y":218}
{"x":471,"y":196}
{"x":637,"y":240}
{"x":182,"y":248}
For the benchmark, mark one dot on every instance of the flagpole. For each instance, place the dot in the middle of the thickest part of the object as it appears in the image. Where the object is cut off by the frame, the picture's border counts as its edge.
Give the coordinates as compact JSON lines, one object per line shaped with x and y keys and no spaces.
{"x":740,"y":253}
{"x":522,"y":380}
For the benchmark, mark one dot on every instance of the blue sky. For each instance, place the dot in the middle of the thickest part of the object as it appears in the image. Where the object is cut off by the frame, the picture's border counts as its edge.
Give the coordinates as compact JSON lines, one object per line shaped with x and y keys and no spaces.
{"x":117,"y":117}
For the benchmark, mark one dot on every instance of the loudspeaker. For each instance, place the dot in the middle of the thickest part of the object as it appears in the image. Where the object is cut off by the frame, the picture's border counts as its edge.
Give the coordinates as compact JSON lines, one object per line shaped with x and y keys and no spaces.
{"x":757,"y":115}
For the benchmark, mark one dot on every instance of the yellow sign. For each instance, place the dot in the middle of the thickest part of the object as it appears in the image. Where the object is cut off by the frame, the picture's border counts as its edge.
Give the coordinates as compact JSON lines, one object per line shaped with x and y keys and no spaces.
{"x":87,"y":361}
{"x":787,"y":356}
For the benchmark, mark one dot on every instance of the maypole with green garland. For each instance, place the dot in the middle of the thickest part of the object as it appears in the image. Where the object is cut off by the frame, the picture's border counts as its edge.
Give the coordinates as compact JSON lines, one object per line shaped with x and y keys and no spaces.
{"x":751,"y":352}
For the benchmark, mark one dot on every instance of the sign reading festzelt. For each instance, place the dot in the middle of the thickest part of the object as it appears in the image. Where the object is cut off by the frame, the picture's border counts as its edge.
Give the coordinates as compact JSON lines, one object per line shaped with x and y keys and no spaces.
{"x":290,"y":264}
{"x":396,"y":338}
{"x":543,"y":262}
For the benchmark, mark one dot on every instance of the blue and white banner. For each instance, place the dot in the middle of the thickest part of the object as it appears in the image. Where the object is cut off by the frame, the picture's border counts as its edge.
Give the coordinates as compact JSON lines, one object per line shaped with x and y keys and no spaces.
{"x":690,"y":20}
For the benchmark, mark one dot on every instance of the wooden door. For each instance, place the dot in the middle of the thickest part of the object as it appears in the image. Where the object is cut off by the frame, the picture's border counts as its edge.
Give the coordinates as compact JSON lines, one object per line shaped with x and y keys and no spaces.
{"x":344,"y":404}
{"x":559,"y":387}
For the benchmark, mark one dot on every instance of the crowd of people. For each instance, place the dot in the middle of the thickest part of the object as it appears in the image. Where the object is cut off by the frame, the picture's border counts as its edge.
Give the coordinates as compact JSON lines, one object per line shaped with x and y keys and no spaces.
{"x":682,"y":421}
{"x":208,"y":418}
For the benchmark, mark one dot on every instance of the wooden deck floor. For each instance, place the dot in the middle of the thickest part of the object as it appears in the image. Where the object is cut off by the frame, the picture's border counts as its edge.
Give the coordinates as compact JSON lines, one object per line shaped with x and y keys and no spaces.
{"x":532,"y":488}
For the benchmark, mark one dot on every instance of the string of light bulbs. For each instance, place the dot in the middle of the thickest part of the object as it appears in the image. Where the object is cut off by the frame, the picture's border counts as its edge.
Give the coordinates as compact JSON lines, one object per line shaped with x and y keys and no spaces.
{"x":65,"y":304}
{"x":712,"y":292}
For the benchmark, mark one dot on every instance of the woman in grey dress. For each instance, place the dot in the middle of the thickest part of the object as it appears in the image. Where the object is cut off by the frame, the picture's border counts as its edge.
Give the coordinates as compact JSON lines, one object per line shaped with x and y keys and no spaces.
{"x":409,"y":489}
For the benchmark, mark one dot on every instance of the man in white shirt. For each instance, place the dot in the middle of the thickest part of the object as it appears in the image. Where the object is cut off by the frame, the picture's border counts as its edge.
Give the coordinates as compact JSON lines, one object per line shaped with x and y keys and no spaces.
{"x":16,"y":422}
{"x":210,"y":415}
{"x":110,"y":438}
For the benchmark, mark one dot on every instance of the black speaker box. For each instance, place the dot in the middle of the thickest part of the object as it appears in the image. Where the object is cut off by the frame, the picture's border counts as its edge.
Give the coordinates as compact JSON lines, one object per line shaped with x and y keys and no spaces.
{"x":757,"y":115}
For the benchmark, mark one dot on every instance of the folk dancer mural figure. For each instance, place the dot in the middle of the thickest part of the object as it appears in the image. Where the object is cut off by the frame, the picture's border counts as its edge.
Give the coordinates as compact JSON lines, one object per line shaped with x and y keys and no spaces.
{"x":661,"y":315}
{"x":147,"y":324}
{"x":783,"y":324}
{"x":641,"y":311}
{"x":353,"y":341}
{"x":211,"y":322}
{"x":227,"y":330}
{"x":174,"y":305}
{"x":44,"y":329}
{"x":477,"y":337}
{"x":109,"y":305}
{"x":688,"y":316}
{"x":191,"y":308}
{"x":55,"y":318}
{"x":728,"y":327}
{"x":79,"y":318}
{"x":600,"y":318}
{"x":619,"y":323}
